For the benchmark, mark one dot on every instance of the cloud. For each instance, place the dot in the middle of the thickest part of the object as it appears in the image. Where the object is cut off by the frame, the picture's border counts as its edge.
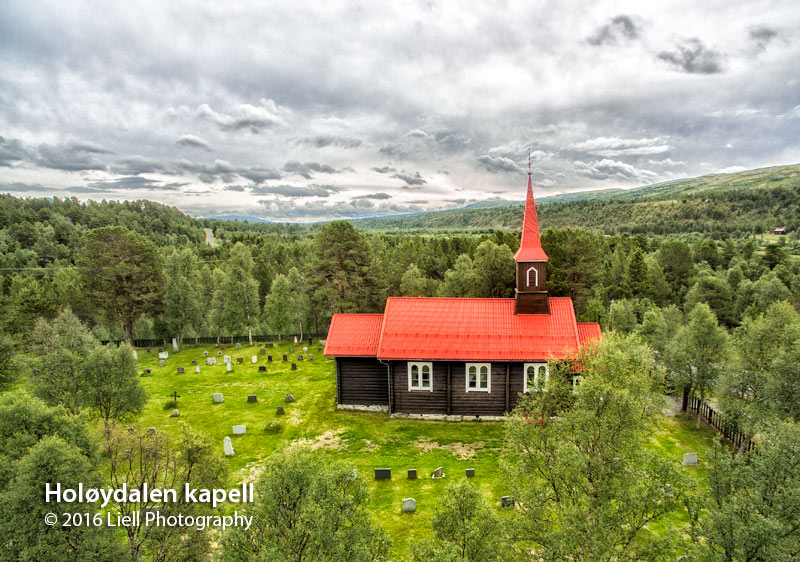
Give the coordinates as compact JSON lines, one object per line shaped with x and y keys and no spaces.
{"x":11,"y":150}
{"x":373,"y":196}
{"x":383,"y":170}
{"x":732,"y":169}
{"x":71,"y":157}
{"x":615,"y":146}
{"x":322,"y":141}
{"x":235,"y":188}
{"x":418,"y":134}
{"x":134,"y":182}
{"x":612,"y":169}
{"x":693,"y":57}
{"x":410,"y":179}
{"x":256,"y":119}
{"x":193,"y":141}
{"x":499,"y":164}
{"x":18,"y":187}
{"x":136,"y":165}
{"x":281,"y":209}
{"x":620,"y":28}
{"x":221,"y":169}
{"x":312,"y":190}
{"x":259,"y":175}
{"x":306,"y":169}
{"x":761,"y":37}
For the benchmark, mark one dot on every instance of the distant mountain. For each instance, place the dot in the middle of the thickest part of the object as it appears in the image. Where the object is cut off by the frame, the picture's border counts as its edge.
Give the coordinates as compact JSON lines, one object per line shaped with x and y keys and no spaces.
{"x":239,"y":218}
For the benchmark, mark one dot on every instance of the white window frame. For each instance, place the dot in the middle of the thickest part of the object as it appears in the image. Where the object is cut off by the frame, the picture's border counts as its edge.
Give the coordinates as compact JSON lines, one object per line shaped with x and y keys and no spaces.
{"x":420,"y":365}
{"x":536,"y":369}
{"x":535,"y":277}
{"x":478,"y":367}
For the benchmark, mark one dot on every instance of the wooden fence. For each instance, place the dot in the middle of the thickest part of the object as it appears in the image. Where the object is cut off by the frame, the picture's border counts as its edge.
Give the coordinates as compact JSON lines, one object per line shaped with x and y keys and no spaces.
{"x":163,"y":342}
{"x":717,"y":421}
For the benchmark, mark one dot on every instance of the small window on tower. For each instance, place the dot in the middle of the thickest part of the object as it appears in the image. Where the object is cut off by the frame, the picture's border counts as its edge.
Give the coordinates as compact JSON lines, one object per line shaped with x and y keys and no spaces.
{"x":533,"y":277}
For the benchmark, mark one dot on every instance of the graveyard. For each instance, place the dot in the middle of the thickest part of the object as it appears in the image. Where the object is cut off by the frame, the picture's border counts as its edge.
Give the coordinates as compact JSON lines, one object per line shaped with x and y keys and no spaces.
{"x":252,"y":393}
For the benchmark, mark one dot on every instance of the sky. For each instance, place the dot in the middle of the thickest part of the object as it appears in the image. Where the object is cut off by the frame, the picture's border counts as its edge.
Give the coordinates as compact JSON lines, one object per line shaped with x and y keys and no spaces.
{"x":308,"y":111}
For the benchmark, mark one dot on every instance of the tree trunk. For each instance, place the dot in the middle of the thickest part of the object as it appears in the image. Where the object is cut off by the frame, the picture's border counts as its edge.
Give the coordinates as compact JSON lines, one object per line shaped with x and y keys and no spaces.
{"x":127,"y":332}
{"x":699,"y":408}
{"x":685,"y":402}
{"x":250,"y":334}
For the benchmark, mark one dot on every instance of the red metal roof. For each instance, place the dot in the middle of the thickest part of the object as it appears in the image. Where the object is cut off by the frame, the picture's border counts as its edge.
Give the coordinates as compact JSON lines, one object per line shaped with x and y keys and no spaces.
{"x":530,"y":247}
{"x":588,"y":331}
{"x":475,"y":329}
{"x":354,"y":335}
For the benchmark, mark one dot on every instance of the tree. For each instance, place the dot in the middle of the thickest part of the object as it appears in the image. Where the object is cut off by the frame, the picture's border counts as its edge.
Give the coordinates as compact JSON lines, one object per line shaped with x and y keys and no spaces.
{"x":716,"y":294}
{"x":241,"y":290}
{"x":753,"y":512}
{"x":307,"y":510}
{"x":277,"y":306}
{"x":636,"y":276}
{"x":697,"y":353}
{"x":496,"y":269}
{"x":216,"y":314}
{"x":182,"y":295}
{"x":773,"y":255}
{"x":110,"y":385}
{"x":8,"y":368}
{"x":62,"y":346}
{"x":576,"y":263}
{"x":413,"y":282}
{"x":298,"y":298}
{"x":585,"y":484}
{"x":675,"y":258}
{"x":461,"y":280}
{"x":464,"y":528}
{"x":122,"y":274}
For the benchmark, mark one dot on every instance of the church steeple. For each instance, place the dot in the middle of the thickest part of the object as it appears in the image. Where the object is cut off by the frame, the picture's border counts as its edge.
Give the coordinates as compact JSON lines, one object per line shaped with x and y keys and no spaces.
{"x":531,"y":296}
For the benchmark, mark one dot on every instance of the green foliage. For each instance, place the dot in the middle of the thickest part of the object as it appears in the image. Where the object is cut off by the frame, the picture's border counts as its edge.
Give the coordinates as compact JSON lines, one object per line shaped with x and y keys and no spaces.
{"x":276,"y":308}
{"x":305,"y":509}
{"x":122,"y":274}
{"x":575,"y":266}
{"x":496,"y":270}
{"x":8,"y":367}
{"x":241,"y":303}
{"x":182,"y":302}
{"x":585,"y":485}
{"x":109,"y":385}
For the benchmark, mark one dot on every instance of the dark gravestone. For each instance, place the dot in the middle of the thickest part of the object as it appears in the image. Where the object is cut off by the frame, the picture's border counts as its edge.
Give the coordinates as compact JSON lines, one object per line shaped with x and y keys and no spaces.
{"x":383,"y":474}
{"x":262,"y":368}
{"x":262,"y":351}
{"x":148,"y":350}
{"x":160,"y":349}
{"x":252,"y":398}
{"x":310,"y":357}
{"x":289,"y":398}
{"x":412,"y":473}
{"x":319,"y":349}
{"x":280,"y":411}
{"x":299,"y":357}
{"x":507,"y":502}
{"x":194,"y":362}
{"x":239,"y":360}
{"x":294,"y":366}
{"x":269,"y":358}
{"x":36,"y":372}
{"x":270,"y":344}
{"x":285,"y":357}
{"x":181,"y":370}
{"x":310,"y":341}
{"x":470,"y":472}
{"x":148,"y":371}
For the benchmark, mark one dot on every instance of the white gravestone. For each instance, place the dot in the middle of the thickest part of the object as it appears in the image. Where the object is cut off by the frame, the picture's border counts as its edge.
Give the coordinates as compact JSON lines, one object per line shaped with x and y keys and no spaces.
{"x":254,"y":359}
{"x":135,"y":355}
{"x":217,"y":398}
{"x":409,"y":505}
{"x":211,"y":361}
{"x":197,"y":369}
{"x":239,"y":429}
{"x":228,"y":367}
{"x":163,"y":354}
{"x":175,"y":345}
{"x":689,"y":459}
{"x":226,"y":358}
{"x":227,"y":446}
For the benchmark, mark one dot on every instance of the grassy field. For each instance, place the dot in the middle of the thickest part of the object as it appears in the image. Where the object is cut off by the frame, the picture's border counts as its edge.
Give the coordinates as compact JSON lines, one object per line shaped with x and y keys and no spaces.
{"x":364,"y":440}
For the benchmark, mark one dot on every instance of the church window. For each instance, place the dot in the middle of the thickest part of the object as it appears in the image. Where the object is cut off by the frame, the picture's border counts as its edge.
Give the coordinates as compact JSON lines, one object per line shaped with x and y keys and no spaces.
{"x":536,"y":377}
{"x":420,"y":376}
{"x":479,"y":377}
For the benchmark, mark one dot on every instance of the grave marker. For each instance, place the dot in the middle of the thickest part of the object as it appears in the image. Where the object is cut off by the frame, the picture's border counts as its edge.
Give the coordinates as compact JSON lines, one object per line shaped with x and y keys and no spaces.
{"x":409,"y":505}
{"x":151,"y":431}
{"x":238,"y":346}
{"x":175,"y":413}
{"x":310,"y":357}
{"x":438,"y":473}
{"x":470,"y":472}
{"x":289,"y":398}
{"x":194,"y":362}
{"x":227,"y":446}
{"x":175,"y":345}
{"x":161,"y":363}
{"x":383,"y":474}
{"x":239,"y":429}
{"x":285,"y":357}
{"x":211,"y":361}
{"x":205,"y":354}
{"x":228,"y":367}
{"x":252,"y":398}
{"x":294,"y":366}
{"x":254,"y":359}
{"x":412,"y":473}
{"x":507,"y":502}
{"x":197,"y":369}
{"x":262,"y":351}
{"x":217,"y":398}
{"x":163,"y":354}
{"x":280,"y":411}
{"x":305,"y":349}
{"x":689,"y":459}
{"x":239,"y":360}
{"x":269,"y":358}
{"x":262,"y":369}
{"x":181,"y":370}
{"x":135,"y":355}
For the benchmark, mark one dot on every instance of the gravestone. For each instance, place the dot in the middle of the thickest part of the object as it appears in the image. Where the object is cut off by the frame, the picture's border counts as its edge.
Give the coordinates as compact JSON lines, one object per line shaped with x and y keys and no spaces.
{"x":226,"y":358}
{"x":295,"y":340}
{"x":219,"y":353}
{"x":409,"y":505}
{"x":239,"y":360}
{"x":148,"y":371}
{"x":238,"y":346}
{"x":211,"y":361}
{"x":291,"y":350}
{"x":470,"y":472}
{"x":299,"y":357}
{"x":254,"y":359}
{"x":319,"y":349}
{"x":135,"y":355}
{"x":270,"y":344}
{"x":205,"y":354}
{"x":305,"y":349}
{"x":289,"y":398}
{"x":197,"y":369}
{"x":175,"y":413}
{"x":148,"y":350}
{"x":175,"y":345}
{"x":151,"y":431}
{"x":262,"y":351}
{"x":438,"y":473}
{"x":227,"y":446}
{"x":285,"y":357}
{"x":252,"y":398}
{"x":239,"y":429}
{"x":412,"y":473}
{"x":194,"y":362}
{"x":294,"y":366}
{"x":181,"y":370}
{"x":280,"y":411}
{"x":310,"y":341}
{"x":163,"y":354}
{"x":689,"y":459}
{"x":269,"y":358}
{"x":161,"y":350}
{"x":228,"y":367}
{"x":161,"y":363}
{"x":310,"y":357}
{"x":262,"y":369}
{"x":217,"y":398}
{"x":383,"y":474}
{"x":323,"y":342}
{"x":507,"y":502}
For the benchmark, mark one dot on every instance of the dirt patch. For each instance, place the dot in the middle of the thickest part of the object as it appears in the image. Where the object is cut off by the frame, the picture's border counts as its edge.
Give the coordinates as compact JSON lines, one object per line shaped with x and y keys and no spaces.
{"x":252,"y":471}
{"x":328,"y":440}
{"x":369,"y":446}
{"x":462,"y":451}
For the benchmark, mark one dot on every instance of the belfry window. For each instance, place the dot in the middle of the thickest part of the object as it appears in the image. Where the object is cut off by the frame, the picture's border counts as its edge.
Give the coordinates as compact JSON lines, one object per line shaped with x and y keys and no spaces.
{"x":532,"y":273}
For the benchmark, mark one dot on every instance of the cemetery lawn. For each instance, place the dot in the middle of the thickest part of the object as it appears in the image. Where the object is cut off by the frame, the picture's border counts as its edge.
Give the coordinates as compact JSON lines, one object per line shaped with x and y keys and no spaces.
{"x":363,"y":440}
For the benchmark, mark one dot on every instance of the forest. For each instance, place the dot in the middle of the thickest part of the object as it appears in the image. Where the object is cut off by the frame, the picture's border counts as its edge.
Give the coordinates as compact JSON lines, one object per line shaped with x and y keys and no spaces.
{"x":694,"y":299}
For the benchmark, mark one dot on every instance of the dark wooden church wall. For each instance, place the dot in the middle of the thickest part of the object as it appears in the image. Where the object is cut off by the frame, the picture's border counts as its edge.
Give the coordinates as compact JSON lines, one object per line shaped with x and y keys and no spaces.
{"x":362,"y":381}
{"x":516,"y":387}
{"x":476,"y":403}
{"x":419,"y":401}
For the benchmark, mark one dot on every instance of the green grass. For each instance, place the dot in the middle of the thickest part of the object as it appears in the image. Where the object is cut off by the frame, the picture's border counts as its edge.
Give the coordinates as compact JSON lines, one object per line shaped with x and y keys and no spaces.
{"x":363,"y":440}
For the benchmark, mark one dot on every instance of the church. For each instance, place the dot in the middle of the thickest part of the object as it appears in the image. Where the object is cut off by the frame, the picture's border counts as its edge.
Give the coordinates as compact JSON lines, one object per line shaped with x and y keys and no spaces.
{"x":458,"y":356}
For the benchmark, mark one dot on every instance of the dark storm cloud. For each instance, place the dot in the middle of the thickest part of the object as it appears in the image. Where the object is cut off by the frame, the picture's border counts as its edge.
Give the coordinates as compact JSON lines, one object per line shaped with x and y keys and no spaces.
{"x":384,"y":170}
{"x":136,"y":165}
{"x":193,"y":141}
{"x":394,"y":151}
{"x":70,"y":157}
{"x":11,"y":150}
{"x":312,"y":190}
{"x":236,"y":188}
{"x":612,"y":169}
{"x":373,"y":196}
{"x":620,"y":28}
{"x":694,"y":57}
{"x":410,"y":179}
{"x":260,"y":175}
{"x":322,"y":141}
{"x":134,"y":182}
{"x":499,"y":164}
{"x":306,"y":169}
{"x":206,"y":173}
{"x":762,"y":36}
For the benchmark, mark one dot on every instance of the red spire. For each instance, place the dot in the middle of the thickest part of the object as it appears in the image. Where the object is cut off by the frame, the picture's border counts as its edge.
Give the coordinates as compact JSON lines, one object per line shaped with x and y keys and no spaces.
{"x":530,"y":247}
